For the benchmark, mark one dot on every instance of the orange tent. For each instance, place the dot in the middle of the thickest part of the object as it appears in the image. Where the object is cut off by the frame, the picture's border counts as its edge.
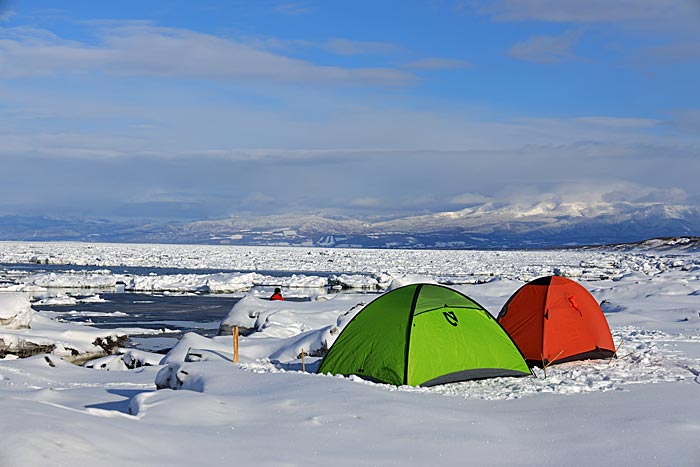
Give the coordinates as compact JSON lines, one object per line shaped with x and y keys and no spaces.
{"x":554,"y":319}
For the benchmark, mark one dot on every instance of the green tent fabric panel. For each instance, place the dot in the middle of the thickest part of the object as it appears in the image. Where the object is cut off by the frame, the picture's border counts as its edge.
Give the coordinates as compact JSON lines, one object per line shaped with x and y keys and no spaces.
{"x":450,"y":340}
{"x":436,"y":345}
{"x":434,"y":296}
{"x":373,"y":344}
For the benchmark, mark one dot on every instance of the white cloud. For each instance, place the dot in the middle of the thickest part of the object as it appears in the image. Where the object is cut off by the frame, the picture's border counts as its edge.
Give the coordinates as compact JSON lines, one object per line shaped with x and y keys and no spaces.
{"x":438,"y":64}
{"x":6,"y":15}
{"x":673,"y":23}
{"x":366,"y":202}
{"x":617,"y":122}
{"x":592,"y":192}
{"x":338,"y":46}
{"x":547,"y":49}
{"x":468,"y":199}
{"x":355,"y":181}
{"x":256,"y":199}
{"x":687,"y":120}
{"x":294,"y":8}
{"x":45,"y":123}
{"x":349,"y":47}
{"x":589,"y":11}
{"x":142,"y":50}
{"x":678,"y":52}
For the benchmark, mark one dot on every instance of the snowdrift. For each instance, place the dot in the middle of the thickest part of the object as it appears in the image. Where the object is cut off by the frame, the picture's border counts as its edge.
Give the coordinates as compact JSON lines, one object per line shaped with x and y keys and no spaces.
{"x":15,"y":311}
{"x":24,"y":332}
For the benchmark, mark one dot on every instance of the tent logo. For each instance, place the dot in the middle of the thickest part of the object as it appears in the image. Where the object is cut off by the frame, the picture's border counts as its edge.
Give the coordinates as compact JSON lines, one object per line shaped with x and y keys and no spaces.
{"x":451,"y":317}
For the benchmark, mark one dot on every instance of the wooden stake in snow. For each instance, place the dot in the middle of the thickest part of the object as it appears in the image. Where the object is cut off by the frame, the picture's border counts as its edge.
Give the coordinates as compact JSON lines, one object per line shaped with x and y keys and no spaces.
{"x":544,"y":367}
{"x":235,"y":344}
{"x":303,"y":368}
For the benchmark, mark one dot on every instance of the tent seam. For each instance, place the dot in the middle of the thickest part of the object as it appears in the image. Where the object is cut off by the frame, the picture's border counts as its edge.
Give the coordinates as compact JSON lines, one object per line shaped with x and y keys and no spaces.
{"x":416,"y":294}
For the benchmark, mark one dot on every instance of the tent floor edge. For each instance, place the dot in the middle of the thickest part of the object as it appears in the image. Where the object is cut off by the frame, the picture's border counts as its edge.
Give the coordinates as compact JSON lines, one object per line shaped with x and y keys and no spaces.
{"x":474,"y":374}
{"x":598,"y":354}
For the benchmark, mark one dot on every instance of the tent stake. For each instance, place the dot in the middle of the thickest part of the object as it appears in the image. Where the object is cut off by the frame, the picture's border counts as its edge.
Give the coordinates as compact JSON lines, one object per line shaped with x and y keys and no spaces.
{"x":303,"y":368}
{"x":235,"y":344}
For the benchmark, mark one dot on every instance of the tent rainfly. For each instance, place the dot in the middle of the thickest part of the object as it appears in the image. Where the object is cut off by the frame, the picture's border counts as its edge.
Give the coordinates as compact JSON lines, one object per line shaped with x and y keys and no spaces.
{"x":423,"y":335}
{"x":554,"y":319}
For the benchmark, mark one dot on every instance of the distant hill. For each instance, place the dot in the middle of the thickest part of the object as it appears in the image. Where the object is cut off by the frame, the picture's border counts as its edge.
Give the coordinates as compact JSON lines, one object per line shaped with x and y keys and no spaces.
{"x":689,"y":244}
{"x":541,"y":225}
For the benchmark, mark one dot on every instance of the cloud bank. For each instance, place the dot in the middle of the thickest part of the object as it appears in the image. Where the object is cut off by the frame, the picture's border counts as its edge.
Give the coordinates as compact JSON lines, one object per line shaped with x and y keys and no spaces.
{"x":129,"y":117}
{"x":146,"y":50}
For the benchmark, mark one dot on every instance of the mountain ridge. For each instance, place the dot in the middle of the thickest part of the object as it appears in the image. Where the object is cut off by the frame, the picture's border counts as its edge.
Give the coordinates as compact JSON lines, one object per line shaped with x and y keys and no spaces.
{"x":548,"y":223}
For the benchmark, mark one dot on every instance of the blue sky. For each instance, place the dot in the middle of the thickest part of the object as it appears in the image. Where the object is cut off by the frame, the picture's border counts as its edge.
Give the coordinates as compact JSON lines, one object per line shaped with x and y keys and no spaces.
{"x":186,"y":110}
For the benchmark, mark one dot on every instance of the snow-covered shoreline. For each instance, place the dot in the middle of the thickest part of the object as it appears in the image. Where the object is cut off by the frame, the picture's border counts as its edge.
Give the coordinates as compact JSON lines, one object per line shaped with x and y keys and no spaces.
{"x":639,"y":409}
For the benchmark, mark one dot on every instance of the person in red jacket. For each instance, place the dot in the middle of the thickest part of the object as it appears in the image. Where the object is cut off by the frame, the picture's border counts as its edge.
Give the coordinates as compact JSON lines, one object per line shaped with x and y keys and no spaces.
{"x":277,"y":295}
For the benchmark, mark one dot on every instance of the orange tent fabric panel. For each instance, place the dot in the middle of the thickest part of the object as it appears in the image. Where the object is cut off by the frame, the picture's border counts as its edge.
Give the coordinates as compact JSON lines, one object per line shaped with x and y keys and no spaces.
{"x":576,"y":324}
{"x":554,"y":319}
{"x":525,"y":328}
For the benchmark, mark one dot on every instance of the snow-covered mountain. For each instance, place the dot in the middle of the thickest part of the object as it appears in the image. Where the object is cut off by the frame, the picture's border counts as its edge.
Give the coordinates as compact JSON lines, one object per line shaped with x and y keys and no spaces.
{"x":543,"y":224}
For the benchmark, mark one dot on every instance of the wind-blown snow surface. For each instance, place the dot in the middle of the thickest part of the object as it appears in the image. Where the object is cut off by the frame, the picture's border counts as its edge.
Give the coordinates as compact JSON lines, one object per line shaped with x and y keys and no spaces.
{"x":640,"y":409}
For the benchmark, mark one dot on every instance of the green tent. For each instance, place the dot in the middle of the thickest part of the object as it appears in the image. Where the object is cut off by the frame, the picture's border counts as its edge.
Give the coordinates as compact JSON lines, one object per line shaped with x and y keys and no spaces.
{"x":423,"y":335}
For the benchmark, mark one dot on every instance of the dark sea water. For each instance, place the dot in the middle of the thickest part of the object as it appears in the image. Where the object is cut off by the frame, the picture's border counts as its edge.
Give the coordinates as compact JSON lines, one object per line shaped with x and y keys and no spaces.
{"x":176,"y":313}
{"x":144,"y":271}
{"x":171,"y":314}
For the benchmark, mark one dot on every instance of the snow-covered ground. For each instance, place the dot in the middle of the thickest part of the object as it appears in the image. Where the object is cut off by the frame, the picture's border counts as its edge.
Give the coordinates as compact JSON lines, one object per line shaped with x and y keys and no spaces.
{"x":342,"y":268}
{"x":640,"y":409}
{"x":462,"y":265}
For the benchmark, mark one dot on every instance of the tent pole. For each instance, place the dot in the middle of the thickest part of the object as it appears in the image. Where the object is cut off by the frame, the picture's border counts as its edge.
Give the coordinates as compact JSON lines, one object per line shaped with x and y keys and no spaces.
{"x":555,"y":357}
{"x":544,"y":367}
{"x":615,"y":352}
